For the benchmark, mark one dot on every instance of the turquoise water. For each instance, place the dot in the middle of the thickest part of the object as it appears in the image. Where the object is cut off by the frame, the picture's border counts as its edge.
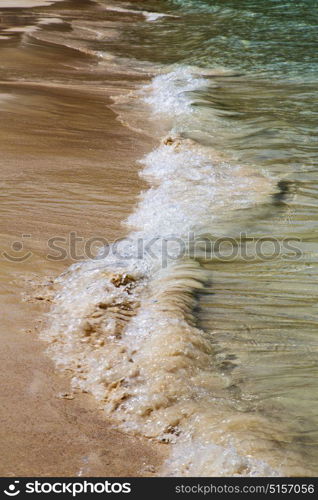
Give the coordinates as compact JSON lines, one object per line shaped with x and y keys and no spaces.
{"x":274,"y":45}
{"x":270,"y":38}
{"x":269,"y":110}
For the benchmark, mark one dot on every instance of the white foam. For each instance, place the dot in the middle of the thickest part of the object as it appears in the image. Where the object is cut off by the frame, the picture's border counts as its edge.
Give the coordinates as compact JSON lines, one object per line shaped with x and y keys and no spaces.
{"x":190,"y":189}
{"x":125,"y":325}
{"x":150,"y":16}
{"x":50,"y":20}
{"x":198,"y":458}
{"x":154,"y":16}
{"x":167,"y":93}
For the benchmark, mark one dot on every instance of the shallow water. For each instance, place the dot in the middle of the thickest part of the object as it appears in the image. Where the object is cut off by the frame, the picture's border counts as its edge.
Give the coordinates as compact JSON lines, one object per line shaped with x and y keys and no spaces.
{"x":215,"y":353}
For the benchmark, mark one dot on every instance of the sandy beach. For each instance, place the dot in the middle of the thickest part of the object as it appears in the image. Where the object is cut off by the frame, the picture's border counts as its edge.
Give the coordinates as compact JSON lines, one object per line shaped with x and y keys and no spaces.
{"x":67,"y":165}
{"x":188,"y":349}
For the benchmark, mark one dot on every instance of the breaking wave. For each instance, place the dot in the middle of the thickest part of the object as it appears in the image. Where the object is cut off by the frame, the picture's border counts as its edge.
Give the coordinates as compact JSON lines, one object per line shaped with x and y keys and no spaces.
{"x":126,"y":325}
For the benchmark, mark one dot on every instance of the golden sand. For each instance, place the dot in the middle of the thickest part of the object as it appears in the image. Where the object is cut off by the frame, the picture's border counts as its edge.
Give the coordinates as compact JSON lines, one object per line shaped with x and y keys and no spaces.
{"x":66,"y":165}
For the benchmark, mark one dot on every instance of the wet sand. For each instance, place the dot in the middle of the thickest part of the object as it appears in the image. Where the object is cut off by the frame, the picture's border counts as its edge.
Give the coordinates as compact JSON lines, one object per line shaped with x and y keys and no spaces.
{"x":67,"y":165}
{"x":20,"y":4}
